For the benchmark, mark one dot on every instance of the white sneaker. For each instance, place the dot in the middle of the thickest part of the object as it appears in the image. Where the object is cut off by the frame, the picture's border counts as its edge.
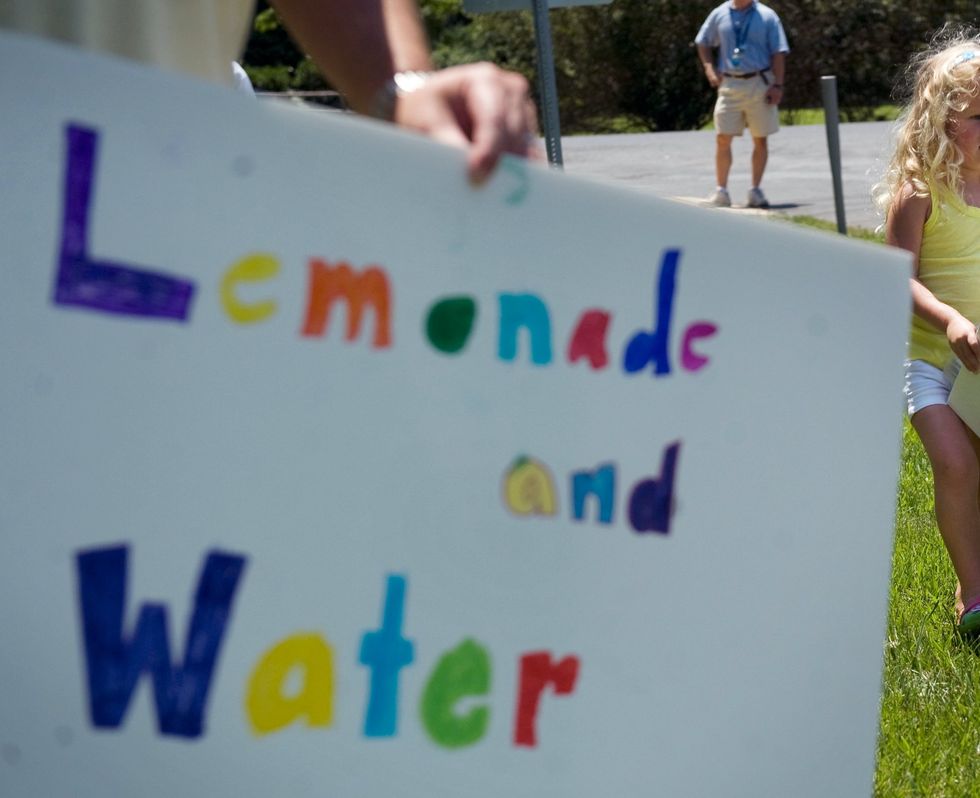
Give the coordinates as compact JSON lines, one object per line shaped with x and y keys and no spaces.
{"x":720,"y":198}
{"x":757,"y":199}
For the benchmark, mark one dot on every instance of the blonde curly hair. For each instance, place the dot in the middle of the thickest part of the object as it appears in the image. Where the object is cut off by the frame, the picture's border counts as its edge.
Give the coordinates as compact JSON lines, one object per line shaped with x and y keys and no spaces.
{"x":944,"y":78}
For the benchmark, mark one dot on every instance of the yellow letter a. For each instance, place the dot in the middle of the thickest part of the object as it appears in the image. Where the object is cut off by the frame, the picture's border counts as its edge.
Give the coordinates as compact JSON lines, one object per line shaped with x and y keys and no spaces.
{"x":268,"y":706}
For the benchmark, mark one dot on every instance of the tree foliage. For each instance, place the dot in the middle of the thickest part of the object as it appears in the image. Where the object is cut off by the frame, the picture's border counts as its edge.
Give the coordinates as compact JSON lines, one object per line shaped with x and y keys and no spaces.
{"x":866,"y":45}
{"x":272,"y":59}
{"x":634,"y":61}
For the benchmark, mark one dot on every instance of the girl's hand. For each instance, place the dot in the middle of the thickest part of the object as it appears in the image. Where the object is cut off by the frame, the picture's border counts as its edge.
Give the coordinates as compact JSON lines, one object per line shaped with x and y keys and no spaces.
{"x":962,"y":337}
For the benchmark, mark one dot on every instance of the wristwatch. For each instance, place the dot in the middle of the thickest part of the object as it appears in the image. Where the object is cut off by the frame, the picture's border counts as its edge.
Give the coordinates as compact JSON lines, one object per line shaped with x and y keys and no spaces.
{"x":398,"y":85}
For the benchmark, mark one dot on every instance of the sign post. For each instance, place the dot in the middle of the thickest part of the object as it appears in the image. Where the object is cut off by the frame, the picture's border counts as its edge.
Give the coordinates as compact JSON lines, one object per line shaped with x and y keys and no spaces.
{"x":546,"y":83}
{"x":828,"y":89}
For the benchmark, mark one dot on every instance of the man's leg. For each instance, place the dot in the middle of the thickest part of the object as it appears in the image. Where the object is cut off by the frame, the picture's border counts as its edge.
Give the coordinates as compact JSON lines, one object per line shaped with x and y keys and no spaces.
{"x":728,"y":122}
{"x":760,"y":156}
{"x":723,"y":159}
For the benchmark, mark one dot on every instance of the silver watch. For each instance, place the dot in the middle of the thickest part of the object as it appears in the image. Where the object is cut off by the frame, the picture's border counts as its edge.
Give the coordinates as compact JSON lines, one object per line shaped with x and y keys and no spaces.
{"x":398,"y":85}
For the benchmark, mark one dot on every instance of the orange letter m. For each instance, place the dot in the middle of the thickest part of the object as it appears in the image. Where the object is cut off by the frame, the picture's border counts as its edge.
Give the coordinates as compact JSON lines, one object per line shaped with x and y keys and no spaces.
{"x":329,"y":283}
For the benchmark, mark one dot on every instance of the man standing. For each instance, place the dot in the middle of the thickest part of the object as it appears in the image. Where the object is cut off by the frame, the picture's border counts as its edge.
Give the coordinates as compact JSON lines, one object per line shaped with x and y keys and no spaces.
{"x":751,"y":64}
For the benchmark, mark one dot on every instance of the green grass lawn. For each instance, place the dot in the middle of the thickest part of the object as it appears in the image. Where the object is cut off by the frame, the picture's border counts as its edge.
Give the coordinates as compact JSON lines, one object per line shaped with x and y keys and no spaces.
{"x":815,"y":116}
{"x":929,"y":739}
{"x":624,"y":123}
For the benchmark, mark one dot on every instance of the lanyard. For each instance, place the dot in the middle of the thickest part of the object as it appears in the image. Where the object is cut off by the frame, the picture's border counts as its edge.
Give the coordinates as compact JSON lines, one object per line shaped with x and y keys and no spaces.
{"x":741,"y":31}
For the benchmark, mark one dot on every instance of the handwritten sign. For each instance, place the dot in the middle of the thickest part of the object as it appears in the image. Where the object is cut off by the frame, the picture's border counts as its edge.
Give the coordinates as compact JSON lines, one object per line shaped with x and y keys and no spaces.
{"x":323,"y":473}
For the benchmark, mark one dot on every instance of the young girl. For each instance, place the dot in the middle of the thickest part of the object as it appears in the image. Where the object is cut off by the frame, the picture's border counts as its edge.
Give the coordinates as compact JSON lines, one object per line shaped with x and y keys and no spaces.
{"x":931,"y":194}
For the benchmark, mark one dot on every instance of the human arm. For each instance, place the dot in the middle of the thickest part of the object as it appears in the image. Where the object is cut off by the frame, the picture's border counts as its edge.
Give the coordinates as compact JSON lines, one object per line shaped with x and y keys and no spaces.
{"x":903,"y":229}
{"x":774,"y":94}
{"x":479,"y":107}
{"x":705,"y":56}
{"x":348,"y":40}
{"x":361,"y":44}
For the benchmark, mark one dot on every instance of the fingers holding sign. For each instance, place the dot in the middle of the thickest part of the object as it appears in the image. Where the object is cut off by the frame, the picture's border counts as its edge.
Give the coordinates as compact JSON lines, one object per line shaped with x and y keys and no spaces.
{"x":481,"y":108}
{"x":375,"y":52}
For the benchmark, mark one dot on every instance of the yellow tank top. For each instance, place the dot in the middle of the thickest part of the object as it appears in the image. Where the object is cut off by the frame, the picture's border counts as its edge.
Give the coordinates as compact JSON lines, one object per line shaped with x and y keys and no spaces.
{"x":949,"y":266}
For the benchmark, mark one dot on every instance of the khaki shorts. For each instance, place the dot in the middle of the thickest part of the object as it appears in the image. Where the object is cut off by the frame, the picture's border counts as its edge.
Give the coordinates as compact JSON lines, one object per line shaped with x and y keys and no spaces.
{"x":742,"y":103}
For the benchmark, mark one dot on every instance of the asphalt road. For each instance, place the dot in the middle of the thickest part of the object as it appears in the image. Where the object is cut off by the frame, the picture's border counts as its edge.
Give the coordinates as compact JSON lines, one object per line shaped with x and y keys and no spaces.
{"x":798,"y":181}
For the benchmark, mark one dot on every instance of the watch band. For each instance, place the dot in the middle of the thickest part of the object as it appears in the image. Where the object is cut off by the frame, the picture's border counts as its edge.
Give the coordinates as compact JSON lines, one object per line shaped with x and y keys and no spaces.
{"x":398,"y":85}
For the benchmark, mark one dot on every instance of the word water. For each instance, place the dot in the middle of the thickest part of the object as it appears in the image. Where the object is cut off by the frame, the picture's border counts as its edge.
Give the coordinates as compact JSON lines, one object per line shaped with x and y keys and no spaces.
{"x":453,"y":709}
{"x":529,"y":490}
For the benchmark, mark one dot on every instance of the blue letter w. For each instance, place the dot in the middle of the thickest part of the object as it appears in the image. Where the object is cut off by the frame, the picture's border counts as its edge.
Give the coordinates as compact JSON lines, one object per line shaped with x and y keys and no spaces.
{"x":115,"y":662}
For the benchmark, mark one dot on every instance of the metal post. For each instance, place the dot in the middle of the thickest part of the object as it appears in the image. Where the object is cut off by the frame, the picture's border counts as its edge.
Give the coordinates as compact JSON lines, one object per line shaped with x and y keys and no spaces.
{"x":828,"y":87}
{"x":546,"y":82}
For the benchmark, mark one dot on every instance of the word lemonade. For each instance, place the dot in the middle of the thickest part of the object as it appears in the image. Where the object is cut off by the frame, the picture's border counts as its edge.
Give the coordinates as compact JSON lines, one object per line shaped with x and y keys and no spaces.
{"x":115,"y":661}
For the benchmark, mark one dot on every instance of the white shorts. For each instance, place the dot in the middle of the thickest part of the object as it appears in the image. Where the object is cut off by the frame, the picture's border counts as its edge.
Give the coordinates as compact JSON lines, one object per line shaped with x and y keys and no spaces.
{"x":927,"y":385}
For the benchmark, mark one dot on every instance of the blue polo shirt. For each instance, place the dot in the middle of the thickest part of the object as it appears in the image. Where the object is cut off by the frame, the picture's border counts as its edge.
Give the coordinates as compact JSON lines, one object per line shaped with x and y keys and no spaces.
{"x":756,"y":29}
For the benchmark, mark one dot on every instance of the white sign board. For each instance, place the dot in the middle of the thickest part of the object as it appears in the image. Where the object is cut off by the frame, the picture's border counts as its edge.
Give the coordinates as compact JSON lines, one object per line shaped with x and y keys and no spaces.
{"x":323,"y":473}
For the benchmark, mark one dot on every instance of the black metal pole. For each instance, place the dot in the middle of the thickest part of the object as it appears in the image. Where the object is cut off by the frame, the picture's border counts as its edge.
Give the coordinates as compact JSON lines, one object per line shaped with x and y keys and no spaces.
{"x":546,"y":82}
{"x":828,"y":87}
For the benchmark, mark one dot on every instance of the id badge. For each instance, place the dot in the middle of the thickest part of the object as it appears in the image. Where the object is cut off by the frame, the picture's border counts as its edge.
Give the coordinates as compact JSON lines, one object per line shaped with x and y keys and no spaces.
{"x":736,"y":56}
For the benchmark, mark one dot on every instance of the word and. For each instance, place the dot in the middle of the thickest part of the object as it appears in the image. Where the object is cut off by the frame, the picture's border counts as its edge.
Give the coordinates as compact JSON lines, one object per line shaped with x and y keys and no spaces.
{"x":528,"y":490}
{"x":85,"y":281}
{"x":115,"y":662}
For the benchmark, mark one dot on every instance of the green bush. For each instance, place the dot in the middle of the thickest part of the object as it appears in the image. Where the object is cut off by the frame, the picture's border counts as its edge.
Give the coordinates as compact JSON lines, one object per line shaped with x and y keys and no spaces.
{"x":270,"y":78}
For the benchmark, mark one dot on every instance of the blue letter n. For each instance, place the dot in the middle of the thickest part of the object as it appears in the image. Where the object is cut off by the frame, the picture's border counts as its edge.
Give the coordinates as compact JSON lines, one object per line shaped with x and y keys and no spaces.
{"x":524,"y":310}
{"x":115,"y":662}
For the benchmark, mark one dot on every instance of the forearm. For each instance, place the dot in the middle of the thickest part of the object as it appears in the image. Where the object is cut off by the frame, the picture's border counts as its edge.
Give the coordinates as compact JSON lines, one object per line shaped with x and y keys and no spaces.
{"x":961,"y":332}
{"x":930,"y":309}
{"x":361,"y":44}
{"x":349,"y":41}
{"x":778,"y":67}
{"x":406,"y":36}
{"x":705,"y":56}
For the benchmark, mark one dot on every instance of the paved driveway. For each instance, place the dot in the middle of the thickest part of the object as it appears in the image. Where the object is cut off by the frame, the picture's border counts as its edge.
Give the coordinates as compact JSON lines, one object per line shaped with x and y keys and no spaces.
{"x":680,"y":165}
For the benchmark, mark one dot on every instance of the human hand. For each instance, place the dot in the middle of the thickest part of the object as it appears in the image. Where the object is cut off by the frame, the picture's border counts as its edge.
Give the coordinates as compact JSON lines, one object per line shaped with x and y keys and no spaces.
{"x":481,"y":108}
{"x":774,"y":94}
{"x":712,"y":76}
{"x":962,"y":336}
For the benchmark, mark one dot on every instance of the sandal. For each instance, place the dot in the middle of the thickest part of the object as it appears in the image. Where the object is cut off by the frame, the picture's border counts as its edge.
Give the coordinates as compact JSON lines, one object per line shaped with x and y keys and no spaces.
{"x":969,"y":623}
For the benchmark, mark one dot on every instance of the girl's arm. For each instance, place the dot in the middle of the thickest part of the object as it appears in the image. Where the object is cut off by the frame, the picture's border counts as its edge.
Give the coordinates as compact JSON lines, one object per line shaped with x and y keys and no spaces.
{"x":906,"y":219}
